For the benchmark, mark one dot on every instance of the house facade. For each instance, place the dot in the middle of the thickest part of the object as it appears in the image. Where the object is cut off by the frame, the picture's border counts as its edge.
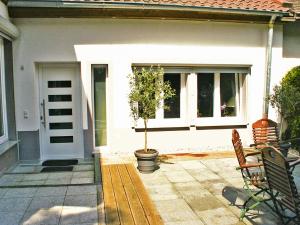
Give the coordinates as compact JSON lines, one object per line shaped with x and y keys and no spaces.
{"x":72,"y":58}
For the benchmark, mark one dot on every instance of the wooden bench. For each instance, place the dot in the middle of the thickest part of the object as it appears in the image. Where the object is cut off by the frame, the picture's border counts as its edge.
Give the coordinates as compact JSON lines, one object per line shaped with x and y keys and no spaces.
{"x":126,"y":200}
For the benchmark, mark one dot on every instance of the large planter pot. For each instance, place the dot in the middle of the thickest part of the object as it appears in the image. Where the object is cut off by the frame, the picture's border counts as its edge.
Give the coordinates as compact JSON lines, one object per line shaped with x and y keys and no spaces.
{"x":146,"y":160}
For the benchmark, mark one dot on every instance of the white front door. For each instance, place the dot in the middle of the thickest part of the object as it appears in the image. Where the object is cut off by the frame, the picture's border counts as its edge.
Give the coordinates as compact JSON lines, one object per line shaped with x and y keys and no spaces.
{"x":60,"y":107}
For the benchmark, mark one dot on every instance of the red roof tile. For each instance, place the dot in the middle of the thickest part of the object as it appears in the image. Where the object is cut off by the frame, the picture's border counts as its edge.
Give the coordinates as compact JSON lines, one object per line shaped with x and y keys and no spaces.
{"x":251,"y":5}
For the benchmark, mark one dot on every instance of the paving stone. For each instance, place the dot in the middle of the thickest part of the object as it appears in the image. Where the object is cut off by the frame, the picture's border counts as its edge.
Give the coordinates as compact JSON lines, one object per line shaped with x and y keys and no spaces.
{"x":85,"y":174}
{"x":40,"y":176}
{"x":82,"y":180}
{"x":20,"y":192}
{"x":172,"y":205}
{"x":192,"y":165}
{"x":203,"y":175}
{"x":11,"y":177}
{"x":218,"y":216}
{"x":190,"y":222}
{"x":10,"y":218}
{"x":162,"y":192}
{"x":25,"y":169}
{"x":178,"y":216}
{"x":3,"y":191}
{"x":30,"y":183}
{"x":65,"y":181}
{"x":83,"y":167}
{"x":51,"y":191}
{"x":79,"y":190}
{"x":66,"y":175}
{"x":81,"y":200}
{"x":42,"y":217}
{"x":179,"y":176}
{"x":14,"y":204}
{"x":203,"y":203}
{"x":45,"y":202}
{"x":170,"y":167}
{"x":78,"y":215}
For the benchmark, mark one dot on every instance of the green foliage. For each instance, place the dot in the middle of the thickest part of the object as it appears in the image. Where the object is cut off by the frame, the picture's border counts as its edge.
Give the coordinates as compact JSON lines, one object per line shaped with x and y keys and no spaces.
{"x":148,"y":89}
{"x":286,"y":99}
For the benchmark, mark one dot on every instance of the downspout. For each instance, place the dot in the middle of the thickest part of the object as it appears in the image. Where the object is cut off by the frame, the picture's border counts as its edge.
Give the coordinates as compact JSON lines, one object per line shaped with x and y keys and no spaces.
{"x":268,"y":67}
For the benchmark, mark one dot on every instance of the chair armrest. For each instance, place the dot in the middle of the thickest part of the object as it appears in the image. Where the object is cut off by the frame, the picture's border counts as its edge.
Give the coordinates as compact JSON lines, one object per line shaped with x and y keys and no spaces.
{"x":251,"y":165}
{"x":295,"y":162}
{"x":252,"y":153}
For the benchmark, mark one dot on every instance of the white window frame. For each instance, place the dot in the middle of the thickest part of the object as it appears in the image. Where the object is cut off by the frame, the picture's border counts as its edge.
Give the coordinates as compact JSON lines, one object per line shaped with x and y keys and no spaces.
{"x":159,"y":120}
{"x":217,"y":119}
{"x":188,"y":100}
{"x":4,"y":137}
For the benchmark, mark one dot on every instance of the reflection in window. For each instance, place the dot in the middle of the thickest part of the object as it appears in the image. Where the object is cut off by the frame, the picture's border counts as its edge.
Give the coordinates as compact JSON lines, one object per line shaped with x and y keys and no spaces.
{"x":100,"y":105}
{"x":173,"y":103}
{"x":205,"y":102}
{"x":228,"y":94}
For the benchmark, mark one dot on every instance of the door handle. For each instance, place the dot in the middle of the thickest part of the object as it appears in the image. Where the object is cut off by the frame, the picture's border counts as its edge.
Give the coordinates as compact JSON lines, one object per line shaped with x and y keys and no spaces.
{"x":43,"y":117}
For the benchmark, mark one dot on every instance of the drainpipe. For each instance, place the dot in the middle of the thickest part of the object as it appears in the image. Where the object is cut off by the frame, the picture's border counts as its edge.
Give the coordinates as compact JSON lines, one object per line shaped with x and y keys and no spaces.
{"x":268,"y":67}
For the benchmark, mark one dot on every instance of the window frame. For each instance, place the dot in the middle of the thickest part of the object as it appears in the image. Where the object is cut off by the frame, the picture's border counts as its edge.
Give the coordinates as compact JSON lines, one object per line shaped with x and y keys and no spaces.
{"x":188,"y":99}
{"x":4,"y":137}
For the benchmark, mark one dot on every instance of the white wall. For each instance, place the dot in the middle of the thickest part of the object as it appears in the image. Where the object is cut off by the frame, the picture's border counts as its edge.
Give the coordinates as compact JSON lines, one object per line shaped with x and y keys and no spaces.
{"x":119,"y":43}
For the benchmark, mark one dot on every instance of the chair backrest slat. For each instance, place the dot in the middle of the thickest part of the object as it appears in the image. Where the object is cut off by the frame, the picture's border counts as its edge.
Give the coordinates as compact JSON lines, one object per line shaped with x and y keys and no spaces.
{"x":279,"y":177}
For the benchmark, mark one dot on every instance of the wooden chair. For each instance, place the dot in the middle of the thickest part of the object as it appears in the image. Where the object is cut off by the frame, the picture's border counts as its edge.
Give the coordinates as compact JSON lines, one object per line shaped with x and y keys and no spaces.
{"x":265,"y":132}
{"x":254,"y":180}
{"x":281,"y":183}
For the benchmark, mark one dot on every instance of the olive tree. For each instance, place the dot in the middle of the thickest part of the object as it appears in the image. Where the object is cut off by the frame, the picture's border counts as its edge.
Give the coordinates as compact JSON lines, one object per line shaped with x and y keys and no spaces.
{"x":147,"y":92}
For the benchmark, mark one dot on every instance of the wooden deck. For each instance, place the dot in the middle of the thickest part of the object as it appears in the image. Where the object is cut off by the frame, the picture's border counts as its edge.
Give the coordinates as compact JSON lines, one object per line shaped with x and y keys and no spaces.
{"x":126,"y":200}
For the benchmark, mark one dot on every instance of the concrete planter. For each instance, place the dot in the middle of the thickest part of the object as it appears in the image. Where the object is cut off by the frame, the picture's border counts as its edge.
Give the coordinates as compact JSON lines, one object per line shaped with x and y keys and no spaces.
{"x":146,"y":160}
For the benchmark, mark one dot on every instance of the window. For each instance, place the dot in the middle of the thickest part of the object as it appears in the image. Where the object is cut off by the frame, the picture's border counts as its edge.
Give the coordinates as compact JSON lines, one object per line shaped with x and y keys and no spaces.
{"x":204,"y":97}
{"x":3,"y":119}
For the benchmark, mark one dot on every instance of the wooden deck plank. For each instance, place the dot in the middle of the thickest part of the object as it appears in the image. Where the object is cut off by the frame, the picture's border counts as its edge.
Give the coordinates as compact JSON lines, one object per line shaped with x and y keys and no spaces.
{"x":149,"y":208}
{"x":110,"y":205}
{"x":121,"y":198}
{"x":137,"y":210}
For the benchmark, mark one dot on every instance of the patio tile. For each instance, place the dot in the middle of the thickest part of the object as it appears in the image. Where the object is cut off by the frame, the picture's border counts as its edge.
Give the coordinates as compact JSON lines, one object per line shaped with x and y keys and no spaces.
{"x":10,"y":218}
{"x":216,"y":186}
{"x":51,"y":191}
{"x":170,"y":167}
{"x":179,"y":176}
{"x":45,"y":202}
{"x":11,"y":177}
{"x":66,"y":175}
{"x":218,"y":216}
{"x":35,"y":177}
{"x":25,"y":169}
{"x":30,"y":183}
{"x":83,"y":167}
{"x":42,"y":217}
{"x":81,"y":200}
{"x":85,"y":174}
{"x":58,"y":181}
{"x":162,"y":192}
{"x":172,"y":205}
{"x":79,"y":190}
{"x":82,"y":180}
{"x":203,"y":175}
{"x":14,"y":204}
{"x":78,"y":215}
{"x":191,"y":222}
{"x":203,"y":203}
{"x":192,"y":165}
{"x":20,"y":192}
{"x":3,"y":191}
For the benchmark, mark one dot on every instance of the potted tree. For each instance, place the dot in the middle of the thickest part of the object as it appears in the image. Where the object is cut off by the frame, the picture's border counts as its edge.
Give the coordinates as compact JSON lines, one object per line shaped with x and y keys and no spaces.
{"x":286,"y":98}
{"x":147,"y":92}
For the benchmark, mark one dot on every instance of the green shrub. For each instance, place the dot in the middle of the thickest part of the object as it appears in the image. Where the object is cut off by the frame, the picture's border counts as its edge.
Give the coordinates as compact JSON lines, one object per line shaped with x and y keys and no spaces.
{"x":286,"y":98}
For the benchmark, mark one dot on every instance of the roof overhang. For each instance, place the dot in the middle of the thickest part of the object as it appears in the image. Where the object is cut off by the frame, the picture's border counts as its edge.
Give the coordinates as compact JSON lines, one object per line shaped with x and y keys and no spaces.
{"x":80,"y":9}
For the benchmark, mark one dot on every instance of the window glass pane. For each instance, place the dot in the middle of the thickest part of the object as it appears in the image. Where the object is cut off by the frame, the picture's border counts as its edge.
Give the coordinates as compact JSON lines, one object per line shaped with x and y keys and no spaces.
{"x":59,"y":84}
{"x":100,"y":105}
{"x":55,"y":126}
{"x":205,"y":98}
{"x":60,"y":112}
{"x":61,"y":139}
{"x":174,"y":103}
{"x":59,"y":98}
{"x":228,"y":94}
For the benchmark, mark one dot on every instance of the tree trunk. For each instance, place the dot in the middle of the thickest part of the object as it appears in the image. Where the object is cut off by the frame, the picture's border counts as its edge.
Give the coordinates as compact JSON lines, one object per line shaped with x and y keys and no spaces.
{"x":145,"y":146}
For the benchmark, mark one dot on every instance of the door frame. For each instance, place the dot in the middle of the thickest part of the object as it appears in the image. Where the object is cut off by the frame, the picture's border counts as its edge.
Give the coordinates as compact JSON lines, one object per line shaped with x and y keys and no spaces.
{"x":40,"y":67}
